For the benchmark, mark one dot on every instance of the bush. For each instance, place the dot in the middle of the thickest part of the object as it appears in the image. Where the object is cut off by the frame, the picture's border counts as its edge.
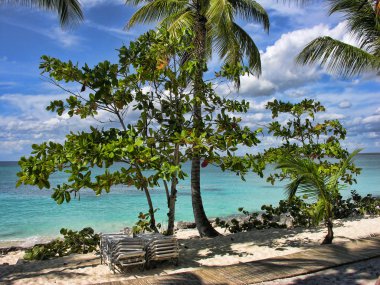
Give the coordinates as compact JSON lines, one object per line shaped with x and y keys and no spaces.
{"x":143,"y":223}
{"x":83,"y":241}
{"x":301,"y":213}
{"x":367,"y":205}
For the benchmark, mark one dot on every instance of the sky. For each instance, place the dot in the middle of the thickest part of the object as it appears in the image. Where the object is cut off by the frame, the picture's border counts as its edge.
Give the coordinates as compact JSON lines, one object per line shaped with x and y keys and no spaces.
{"x":26,"y":34}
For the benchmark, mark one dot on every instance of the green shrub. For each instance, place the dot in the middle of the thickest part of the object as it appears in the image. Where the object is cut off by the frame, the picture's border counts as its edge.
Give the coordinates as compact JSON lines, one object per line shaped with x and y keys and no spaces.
{"x":301,"y":213}
{"x":367,"y":205}
{"x":143,"y":224}
{"x":83,"y":241}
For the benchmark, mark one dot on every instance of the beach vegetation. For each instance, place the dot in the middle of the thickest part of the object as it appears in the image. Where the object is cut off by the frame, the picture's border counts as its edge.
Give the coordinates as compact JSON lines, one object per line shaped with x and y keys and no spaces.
{"x":151,"y":142}
{"x":83,"y":241}
{"x":214,"y":28}
{"x":150,"y":82}
{"x":324,"y":188}
{"x":269,"y":217}
{"x":69,"y":11}
{"x":299,"y":212}
{"x":301,"y":133}
{"x":143,"y":223}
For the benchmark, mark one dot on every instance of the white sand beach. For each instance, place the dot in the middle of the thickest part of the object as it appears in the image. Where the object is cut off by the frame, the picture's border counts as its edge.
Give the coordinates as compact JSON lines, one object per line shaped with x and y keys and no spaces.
{"x":195,"y":253}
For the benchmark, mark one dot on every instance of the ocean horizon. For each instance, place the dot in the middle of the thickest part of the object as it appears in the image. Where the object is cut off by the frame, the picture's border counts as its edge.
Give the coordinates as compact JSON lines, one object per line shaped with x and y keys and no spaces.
{"x":27,"y":212}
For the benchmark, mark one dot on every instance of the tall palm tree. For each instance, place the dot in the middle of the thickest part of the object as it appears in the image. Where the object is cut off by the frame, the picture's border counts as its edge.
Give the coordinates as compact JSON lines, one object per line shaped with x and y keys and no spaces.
{"x":69,"y":11}
{"x":214,"y":27}
{"x":362,"y":18}
{"x":310,"y":181}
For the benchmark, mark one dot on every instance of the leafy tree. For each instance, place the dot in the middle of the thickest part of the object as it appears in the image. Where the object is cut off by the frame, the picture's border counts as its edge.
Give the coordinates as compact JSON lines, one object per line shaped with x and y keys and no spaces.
{"x":147,"y":144}
{"x":164,"y":135}
{"x":69,"y":11}
{"x":344,"y":59}
{"x":303,"y":135}
{"x":324,"y":188}
{"x":214,"y":28}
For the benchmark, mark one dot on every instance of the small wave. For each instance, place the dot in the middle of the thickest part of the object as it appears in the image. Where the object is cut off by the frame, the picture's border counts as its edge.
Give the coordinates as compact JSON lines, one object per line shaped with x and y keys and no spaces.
{"x":27,"y":242}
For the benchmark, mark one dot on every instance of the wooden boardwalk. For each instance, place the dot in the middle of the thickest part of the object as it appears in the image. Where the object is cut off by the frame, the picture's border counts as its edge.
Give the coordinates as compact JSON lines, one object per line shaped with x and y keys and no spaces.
{"x":300,"y":263}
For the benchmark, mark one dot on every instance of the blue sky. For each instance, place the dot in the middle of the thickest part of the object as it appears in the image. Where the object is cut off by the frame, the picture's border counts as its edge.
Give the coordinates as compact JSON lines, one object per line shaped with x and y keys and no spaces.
{"x":26,"y":34}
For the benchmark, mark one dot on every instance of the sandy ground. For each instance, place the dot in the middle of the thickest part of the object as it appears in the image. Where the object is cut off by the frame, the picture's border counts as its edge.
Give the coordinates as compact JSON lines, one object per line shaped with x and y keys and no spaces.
{"x":358,"y":273}
{"x":195,"y":253}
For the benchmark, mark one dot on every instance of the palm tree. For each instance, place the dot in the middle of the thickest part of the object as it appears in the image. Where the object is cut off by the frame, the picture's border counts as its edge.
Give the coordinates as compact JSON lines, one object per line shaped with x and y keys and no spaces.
{"x":69,"y":11}
{"x":214,"y":27}
{"x":310,"y":181}
{"x":341,"y":58}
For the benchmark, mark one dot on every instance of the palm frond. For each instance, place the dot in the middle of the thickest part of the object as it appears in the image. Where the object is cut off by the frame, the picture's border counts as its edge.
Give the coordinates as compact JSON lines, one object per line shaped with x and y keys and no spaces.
{"x":183,"y":19}
{"x":319,"y":211}
{"x":338,"y":57}
{"x":307,"y":178}
{"x":155,"y":11}
{"x":250,"y":10}
{"x":69,"y":11}
{"x":334,"y":179}
{"x":292,"y":187}
{"x":249,"y":49}
{"x":362,"y":21}
{"x":220,"y":17}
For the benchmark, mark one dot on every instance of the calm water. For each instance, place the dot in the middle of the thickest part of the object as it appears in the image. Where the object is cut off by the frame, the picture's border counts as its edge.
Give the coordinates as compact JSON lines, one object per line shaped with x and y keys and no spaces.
{"x":30,"y":212}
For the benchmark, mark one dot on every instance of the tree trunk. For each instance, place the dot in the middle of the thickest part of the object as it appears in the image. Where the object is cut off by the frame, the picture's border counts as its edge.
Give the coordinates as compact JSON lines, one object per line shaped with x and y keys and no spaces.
{"x":146,"y":190}
{"x":171,"y":214}
{"x":330,"y":234}
{"x":203,"y":225}
{"x":151,"y":211}
{"x":173,"y":195}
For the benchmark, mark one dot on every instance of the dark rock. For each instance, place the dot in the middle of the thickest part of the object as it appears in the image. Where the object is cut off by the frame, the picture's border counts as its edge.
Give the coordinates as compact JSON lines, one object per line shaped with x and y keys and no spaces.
{"x":21,"y":261}
{"x":6,"y":250}
{"x":186,"y":225}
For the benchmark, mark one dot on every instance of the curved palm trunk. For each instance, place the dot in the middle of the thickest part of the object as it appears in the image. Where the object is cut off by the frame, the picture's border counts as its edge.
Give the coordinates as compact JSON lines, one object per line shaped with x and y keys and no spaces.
{"x":203,"y":225}
{"x":330,"y":234}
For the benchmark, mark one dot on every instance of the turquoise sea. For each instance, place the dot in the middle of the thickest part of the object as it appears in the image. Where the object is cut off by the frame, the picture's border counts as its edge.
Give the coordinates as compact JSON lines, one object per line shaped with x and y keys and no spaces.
{"x":28,"y":212}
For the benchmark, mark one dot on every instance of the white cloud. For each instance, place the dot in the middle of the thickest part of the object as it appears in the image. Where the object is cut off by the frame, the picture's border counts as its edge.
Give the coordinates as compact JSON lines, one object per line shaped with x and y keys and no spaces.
{"x":256,"y":105}
{"x":257,"y":87}
{"x":373,"y":135}
{"x":296,"y":93}
{"x":31,"y":123}
{"x":372,"y":119}
{"x":330,"y":116}
{"x":66,"y":38}
{"x":55,"y":33}
{"x":92,"y":3}
{"x":9,"y":147}
{"x":29,"y":104}
{"x":345,"y":104}
{"x":7,"y":83}
{"x":280,"y":72}
{"x":256,"y":117}
{"x":283,"y":8}
{"x":118,"y":32}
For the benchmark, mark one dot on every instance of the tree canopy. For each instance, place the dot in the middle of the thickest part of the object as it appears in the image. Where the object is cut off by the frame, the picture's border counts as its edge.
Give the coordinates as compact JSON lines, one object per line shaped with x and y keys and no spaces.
{"x":150,"y":81}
